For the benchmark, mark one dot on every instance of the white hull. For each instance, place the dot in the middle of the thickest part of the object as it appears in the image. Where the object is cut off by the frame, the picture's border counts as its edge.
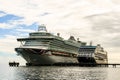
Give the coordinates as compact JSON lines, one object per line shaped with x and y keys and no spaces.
{"x":38,"y":59}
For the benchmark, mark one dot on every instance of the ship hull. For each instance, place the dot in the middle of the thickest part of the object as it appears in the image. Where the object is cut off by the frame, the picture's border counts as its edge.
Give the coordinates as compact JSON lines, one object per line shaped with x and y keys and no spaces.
{"x":91,"y":60}
{"x":41,"y":58}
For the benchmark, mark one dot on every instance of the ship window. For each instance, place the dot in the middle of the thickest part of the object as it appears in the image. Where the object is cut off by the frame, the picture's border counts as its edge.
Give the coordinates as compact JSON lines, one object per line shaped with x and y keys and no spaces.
{"x":36,"y":43}
{"x":38,"y":34}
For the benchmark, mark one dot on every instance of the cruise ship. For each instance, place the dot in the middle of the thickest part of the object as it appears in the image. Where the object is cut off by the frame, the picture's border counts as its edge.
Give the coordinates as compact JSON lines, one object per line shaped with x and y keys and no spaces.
{"x":92,"y":54}
{"x":42,"y":47}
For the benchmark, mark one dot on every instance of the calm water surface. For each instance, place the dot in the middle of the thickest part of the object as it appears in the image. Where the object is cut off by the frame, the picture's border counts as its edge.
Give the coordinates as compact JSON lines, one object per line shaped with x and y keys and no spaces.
{"x":59,"y":73}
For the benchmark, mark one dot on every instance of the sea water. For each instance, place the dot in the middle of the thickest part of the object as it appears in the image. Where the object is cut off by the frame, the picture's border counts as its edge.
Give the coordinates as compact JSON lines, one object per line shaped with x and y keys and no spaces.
{"x":59,"y":73}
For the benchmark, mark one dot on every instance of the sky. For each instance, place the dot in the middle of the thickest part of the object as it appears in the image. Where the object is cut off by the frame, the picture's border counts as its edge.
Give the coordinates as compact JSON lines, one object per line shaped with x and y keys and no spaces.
{"x":89,"y":20}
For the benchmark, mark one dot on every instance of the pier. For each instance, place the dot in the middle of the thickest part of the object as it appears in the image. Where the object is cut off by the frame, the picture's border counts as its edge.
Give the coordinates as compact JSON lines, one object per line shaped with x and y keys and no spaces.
{"x":77,"y":64}
{"x":99,"y":65}
{"x":14,"y":64}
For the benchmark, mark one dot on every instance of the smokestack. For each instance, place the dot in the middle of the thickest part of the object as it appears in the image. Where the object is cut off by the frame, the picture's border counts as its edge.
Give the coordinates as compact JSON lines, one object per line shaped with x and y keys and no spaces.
{"x":90,"y":43}
{"x":77,"y":39}
{"x":58,"y":34}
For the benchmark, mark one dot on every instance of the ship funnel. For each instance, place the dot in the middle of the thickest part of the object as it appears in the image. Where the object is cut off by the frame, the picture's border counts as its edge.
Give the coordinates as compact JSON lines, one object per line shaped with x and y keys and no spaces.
{"x":91,"y":43}
{"x":42,"y":28}
{"x":72,"y":38}
{"x":58,"y":34}
{"x":98,"y":45}
{"x":77,"y":39}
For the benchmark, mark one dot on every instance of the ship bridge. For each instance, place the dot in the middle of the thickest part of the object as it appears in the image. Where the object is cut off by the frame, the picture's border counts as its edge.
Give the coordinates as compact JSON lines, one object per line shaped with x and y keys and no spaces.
{"x":42,"y":28}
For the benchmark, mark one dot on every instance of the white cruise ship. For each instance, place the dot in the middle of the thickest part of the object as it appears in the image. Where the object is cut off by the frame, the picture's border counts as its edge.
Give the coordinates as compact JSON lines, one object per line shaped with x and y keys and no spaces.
{"x":42,"y":47}
{"x":92,"y":54}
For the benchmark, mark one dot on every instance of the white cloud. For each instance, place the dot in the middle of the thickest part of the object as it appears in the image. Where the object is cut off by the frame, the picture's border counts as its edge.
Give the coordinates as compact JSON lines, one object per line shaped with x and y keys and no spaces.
{"x":10,"y":24}
{"x":2,"y":14}
{"x":8,"y":44}
{"x":32,"y":10}
{"x":25,"y":30}
{"x":5,"y":26}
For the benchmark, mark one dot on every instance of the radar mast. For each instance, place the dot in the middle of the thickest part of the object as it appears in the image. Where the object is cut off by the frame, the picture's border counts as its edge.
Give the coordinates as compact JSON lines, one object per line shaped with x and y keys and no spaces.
{"x":42,"y":28}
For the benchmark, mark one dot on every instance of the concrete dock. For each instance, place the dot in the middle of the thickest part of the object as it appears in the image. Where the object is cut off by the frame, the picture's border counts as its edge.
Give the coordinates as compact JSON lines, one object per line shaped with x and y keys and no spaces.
{"x":76,"y":64}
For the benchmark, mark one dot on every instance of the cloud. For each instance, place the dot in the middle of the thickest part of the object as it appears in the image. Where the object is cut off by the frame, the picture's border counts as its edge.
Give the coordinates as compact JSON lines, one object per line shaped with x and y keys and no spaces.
{"x":8,"y":44}
{"x":9,"y":21}
{"x":5,"y":25}
{"x":2,"y":13}
{"x":8,"y":17}
{"x":116,"y":2}
{"x":107,"y":22}
{"x":56,"y":14}
{"x":34,"y":11}
{"x":25,"y":30}
{"x":106,"y":28}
